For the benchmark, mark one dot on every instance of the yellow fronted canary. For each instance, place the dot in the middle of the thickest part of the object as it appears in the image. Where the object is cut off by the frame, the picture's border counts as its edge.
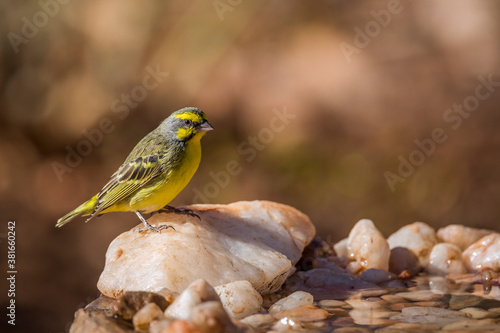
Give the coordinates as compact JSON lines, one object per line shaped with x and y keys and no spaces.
{"x":154,"y":173}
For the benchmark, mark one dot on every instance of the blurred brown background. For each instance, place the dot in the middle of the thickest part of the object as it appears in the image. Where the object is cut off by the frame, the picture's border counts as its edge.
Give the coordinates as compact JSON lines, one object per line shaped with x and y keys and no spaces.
{"x":353,"y":84}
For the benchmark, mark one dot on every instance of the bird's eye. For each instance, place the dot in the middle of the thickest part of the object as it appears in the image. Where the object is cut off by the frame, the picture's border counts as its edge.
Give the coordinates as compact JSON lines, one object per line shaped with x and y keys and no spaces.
{"x":188,"y":122}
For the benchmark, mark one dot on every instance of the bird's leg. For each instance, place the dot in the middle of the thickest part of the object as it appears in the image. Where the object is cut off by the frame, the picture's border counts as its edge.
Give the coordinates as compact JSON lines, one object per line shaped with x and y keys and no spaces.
{"x":149,"y":226}
{"x":183,"y":211}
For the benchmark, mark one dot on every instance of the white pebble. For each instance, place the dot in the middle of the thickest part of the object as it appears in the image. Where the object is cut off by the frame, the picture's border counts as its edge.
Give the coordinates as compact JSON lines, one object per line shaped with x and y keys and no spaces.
{"x":445,"y":259}
{"x":367,"y":246}
{"x":418,"y":237}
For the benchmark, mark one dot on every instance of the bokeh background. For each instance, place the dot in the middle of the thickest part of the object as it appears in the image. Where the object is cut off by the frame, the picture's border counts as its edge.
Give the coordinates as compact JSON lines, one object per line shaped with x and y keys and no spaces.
{"x":355,"y":104}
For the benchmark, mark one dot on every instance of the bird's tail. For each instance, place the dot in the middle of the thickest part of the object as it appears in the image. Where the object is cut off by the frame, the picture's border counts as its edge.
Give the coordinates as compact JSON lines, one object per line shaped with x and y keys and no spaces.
{"x":85,"y":208}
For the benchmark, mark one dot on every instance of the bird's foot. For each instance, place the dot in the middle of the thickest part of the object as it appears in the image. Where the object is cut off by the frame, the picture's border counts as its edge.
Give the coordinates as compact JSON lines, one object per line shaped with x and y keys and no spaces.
{"x":149,"y":227}
{"x":182,"y":211}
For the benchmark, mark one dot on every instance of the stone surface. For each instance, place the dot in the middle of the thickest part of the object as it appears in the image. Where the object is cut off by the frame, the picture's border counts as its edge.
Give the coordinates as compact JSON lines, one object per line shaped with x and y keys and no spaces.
{"x":325,"y":284}
{"x":196,"y":293}
{"x":483,"y":254}
{"x":367,"y":246}
{"x":460,"y":235}
{"x":258,"y":241}
{"x":489,"y":325}
{"x":294,"y":300}
{"x":96,"y":321}
{"x":404,"y":260}
{"x":478,"y":313}
{"x":341,"y":248}
{"x":239,"y":299}
{"x":420,"y":295}
{"x":418,"y":237}
{"x":258,"y":320}
{"x":303,"y":313}
{"x":377,"y":276}
{"x":146,"y":315}
{"x":131,"y":302}
{"x":210,"y":317}
{"x":428,"y":315}
{"x":445,"y":259}
{"x":457,"y":302}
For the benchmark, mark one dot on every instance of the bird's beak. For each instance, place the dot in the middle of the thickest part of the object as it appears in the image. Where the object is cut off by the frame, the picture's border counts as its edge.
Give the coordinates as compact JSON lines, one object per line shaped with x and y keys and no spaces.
{"x":204,"y":127}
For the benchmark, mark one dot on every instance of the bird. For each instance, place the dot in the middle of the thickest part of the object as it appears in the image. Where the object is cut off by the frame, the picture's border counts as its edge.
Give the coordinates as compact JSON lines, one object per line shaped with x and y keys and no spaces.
{"x":154,"y":173}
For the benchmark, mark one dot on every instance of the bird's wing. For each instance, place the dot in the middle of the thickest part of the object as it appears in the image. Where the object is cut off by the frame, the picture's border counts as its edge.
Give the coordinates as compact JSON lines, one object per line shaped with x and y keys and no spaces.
{"x":130,"y":177}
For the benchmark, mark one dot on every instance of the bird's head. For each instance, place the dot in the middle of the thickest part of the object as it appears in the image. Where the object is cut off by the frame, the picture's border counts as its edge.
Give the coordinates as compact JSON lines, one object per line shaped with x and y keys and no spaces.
{"x":187,"y":124}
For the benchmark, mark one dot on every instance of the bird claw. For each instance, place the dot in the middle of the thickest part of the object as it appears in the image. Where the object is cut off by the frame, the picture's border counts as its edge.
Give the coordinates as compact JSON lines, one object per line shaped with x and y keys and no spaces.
{"x":149,"y":227}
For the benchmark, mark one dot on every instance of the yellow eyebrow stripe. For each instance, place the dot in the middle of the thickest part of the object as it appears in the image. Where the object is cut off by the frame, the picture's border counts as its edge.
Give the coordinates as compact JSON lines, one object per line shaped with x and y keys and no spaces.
{"x":191,"y":116}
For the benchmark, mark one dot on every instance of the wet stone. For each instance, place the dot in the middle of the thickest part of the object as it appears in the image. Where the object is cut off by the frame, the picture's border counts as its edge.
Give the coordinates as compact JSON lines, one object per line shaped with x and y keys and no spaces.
{"x":258,"y":320}
{"x":103,"y":304}
{"x":304,"y":313}
{"x":420,"y":295}
{"x":294,"y":300}
{"x":377,"y":276}
{"x":457,"y":302}
{"x":477,"y":313}
{"x":132,"y":301}
{"x":428,"y":315}
{"x":146,"y":315}
{"x":413,"y":327}
{"x":474,"y":325}
{"x":331,"y":303}
{"x":98,"y":322}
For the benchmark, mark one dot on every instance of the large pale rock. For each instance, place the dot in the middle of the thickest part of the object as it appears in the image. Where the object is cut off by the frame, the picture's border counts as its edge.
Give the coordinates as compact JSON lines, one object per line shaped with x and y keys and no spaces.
{"x":460,"y":235}
{"x":368,"y":247}
{"x":257,"y":241}
{"x":483,"y":254}
{"x":418,"y":237}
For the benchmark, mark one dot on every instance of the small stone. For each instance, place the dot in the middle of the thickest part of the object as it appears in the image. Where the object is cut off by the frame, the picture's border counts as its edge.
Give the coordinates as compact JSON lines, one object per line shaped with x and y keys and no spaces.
{"x":405,"y":327}
{"x":331,"y":303}
{"x":420,"y":295}
{"x":174,"y":326}
{"x":439,"y":284}
{"x":341,"y":248}
{"x":377,"y":276}
{"x":483,"y":254}
{"x":258,"y":320}
{"x":239,"y":299}
{"x":211,"y":317}
{"x":403,"y":262}
{"x":257,"y":241}
{"x":393,"y":299}
{"x":473,"y":325}
{"x":287,"y":324}
{"x":196,"y":293}
{"x":294,"y":300}
{"x":304,"y":313}
{"x":367,"y":246}
{"x":401,"y":306}
{"x":372,"y":303}
{"x":103,"y":304}
{"x":132,"y":301}
{"x":478,"y":313}
{"x":460,"y":235}
{"x":445,"y":259}
{"x":96,"y":321}
{"x":351,"y":330}
{"x":377,"y":317}
{"x":426,"y":315}
{"x":146,"y":315}
{"x":458,"y":302}
{"x":418,"y":237}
